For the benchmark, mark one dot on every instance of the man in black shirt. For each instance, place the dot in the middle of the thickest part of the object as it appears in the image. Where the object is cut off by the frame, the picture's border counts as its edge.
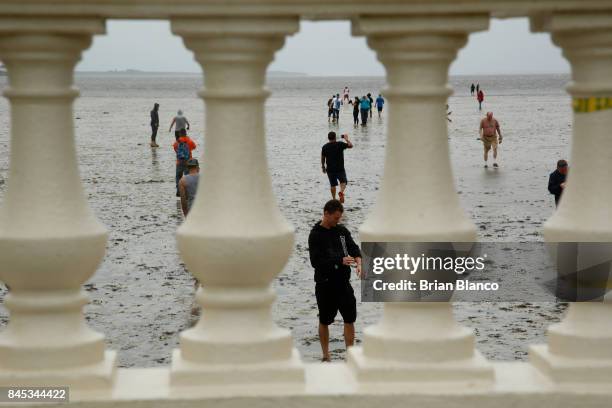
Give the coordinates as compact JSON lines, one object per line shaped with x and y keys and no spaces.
{"x":556,"y":181}
{"x":332,"y":254}
{"x":332,"y":163}
{"x":154,"y":124}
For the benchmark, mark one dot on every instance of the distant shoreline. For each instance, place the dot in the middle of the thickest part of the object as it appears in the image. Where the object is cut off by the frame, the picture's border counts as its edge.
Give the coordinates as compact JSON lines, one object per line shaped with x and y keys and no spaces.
{"x":136,"y":72}
{"x":284,"y":74}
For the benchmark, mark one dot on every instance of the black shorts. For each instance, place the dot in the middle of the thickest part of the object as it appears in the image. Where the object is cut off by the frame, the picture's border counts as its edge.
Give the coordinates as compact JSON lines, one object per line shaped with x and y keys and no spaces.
{"x":335,"y":177}
{"x":333,"y":297}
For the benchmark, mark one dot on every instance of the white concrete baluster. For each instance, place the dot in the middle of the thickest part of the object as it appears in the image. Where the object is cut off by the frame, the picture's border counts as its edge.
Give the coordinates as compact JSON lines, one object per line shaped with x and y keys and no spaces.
{"x":418,"y":342}
{"x":235,"y":240}
{"x":50,"y":241}
{"x":579,"y":348}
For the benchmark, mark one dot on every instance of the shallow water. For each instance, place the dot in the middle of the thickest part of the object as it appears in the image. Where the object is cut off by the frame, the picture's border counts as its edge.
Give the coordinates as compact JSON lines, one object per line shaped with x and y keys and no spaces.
{"x":142,"y":295}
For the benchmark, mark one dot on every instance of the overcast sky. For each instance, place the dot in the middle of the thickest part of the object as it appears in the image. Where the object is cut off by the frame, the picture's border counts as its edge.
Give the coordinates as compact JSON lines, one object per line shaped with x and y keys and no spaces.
{"x":324,"y":48}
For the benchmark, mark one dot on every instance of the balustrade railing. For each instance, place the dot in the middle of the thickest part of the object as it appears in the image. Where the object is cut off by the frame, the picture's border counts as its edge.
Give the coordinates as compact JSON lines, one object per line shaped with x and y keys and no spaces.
{"x":50,"y":242}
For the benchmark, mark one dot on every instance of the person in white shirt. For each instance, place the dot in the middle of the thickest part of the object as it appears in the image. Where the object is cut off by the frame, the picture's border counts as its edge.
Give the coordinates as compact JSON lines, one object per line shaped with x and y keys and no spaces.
{"x":346,"y":97}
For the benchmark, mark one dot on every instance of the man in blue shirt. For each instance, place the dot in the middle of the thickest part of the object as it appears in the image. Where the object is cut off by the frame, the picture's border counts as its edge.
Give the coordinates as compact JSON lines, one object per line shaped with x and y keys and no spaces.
{"x":337,"y":103}
{"x":365,"y":107}
{"x":379,"y":104}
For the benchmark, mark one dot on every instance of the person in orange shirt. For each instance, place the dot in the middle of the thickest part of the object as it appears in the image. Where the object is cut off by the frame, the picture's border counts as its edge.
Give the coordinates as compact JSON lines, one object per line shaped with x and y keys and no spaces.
{"x":183,"y":146}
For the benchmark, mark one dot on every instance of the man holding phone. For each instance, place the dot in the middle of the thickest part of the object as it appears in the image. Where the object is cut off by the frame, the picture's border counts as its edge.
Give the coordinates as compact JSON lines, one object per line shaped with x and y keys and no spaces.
{"x":332,"y":254}
{"x":332,"y":163}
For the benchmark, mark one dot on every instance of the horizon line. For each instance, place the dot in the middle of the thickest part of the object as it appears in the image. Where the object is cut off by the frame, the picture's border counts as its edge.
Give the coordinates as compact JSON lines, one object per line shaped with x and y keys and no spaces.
{"x":293,"y":73}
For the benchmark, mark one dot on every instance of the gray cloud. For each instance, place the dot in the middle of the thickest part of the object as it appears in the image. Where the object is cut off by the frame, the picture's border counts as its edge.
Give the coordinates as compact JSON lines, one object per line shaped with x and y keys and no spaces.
{"x":324,"y":48}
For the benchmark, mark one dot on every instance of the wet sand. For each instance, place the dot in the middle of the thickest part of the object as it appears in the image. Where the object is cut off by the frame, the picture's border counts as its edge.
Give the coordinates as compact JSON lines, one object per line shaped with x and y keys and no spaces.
{"x":142,"y":294}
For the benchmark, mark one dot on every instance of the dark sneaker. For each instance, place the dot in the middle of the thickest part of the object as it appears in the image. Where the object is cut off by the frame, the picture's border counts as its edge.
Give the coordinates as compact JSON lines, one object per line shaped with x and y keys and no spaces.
{"x":495,"y":165}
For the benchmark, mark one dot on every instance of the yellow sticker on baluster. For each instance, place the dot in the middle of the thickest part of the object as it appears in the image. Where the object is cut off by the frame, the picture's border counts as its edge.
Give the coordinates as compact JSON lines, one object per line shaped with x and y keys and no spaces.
{"x":593,"y":104}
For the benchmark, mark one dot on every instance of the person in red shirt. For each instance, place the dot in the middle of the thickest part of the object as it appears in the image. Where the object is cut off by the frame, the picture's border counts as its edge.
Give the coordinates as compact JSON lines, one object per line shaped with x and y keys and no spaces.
{"x":183,"y":146}
{"x":480,"y":99}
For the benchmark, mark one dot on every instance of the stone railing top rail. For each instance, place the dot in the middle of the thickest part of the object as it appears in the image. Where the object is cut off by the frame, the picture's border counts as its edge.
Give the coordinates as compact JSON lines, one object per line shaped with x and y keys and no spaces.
{"x":308,"y":9}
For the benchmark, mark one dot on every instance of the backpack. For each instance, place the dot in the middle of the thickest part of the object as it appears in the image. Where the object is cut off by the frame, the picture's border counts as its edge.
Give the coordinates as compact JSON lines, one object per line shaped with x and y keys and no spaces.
{"x":182,"y":151}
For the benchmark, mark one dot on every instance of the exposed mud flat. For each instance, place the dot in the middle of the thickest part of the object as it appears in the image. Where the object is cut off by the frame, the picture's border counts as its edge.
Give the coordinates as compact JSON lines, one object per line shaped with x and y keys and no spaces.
{"x":141,"y":296}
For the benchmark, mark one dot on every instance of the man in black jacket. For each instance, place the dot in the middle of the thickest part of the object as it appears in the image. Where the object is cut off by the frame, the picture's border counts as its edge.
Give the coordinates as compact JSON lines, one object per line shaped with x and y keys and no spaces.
{"x":154,"y":124}
{"x":556,"y":181}
{"x":332,"y":253}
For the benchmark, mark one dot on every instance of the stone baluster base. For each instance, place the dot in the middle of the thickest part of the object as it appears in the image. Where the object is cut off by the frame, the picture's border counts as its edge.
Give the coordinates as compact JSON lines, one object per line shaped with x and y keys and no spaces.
{"x":419,"y":343}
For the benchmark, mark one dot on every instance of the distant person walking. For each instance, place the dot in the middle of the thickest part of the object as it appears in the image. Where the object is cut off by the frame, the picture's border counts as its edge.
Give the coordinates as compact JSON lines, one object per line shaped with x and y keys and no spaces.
{"x":371,"y":103}
{"x":364,"y":106}
{"x":477,"y":88}
{"x":332,"y":105}
{"x":337,"y":104}
{"x":188,"y":185}
{"x":472,"y":88}
{"x":489,"y":129}
{"x":346,"y":95}
{"x":330,"y":108}
{"x":556,"y":181}
{"x":380,"y":102}
{"x":179,"y":122}
{"x":154,"y":124}
{"x":333,"y":252}
{"x":183,"y":146}
{"x":355,"y":103}
{"x":332,"y":163}
{"x":480,"y":98}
